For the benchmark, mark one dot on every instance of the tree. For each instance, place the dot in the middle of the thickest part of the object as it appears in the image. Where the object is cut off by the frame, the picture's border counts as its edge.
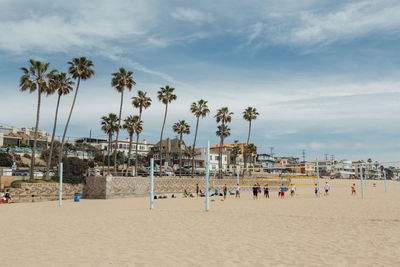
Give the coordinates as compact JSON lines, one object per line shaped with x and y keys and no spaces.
{"x":80,"y":69}
{"x":34,"y":79}
{"x":109,"y":126}
{"x":250,"y":149}
{"x":60,"y":83}
{"x":121,"y":80}
{"x":132,"y":124}
{"x":141,"y":101}
{"x":223,"y":116}
{"x":199,"y":109}
{"x":165,"y":95}
{"x":236,"y":151}
{"x":181,"y":128}
{"x":223,"y":132}
{"x":74,"y":170}
{"x":5,"y":160}
{"x":249,"y":114}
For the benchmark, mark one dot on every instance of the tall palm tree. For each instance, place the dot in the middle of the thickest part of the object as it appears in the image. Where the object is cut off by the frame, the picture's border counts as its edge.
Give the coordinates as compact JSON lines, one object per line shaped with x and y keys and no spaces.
{"x":249,"y":114}
{"x":132,"y":124}
{"x":34,"y":79}
{"x":181,"y":127}
{"x":223,"y":132}
{"x":165,"y":95}
{"x":121,"y":80}
{"x":141,"y":101}
{"x":109,"y":126}
{"x":223,"y":116}
{"x":250,"y":150}
{"x":199,"y":109}
{"x":81,"y":69}
{"x":63,"y":85}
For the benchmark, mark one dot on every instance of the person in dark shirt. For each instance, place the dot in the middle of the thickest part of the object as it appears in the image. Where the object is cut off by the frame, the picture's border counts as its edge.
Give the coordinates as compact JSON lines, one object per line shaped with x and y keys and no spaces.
{"x":225,"y":191}
{"x":255,"y":191}
{"x":266,"y":191}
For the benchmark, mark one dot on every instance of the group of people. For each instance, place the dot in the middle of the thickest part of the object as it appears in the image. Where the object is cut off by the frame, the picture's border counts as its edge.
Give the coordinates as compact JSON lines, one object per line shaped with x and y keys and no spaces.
{"x":257,"y":190}
{"x":5,"y":197}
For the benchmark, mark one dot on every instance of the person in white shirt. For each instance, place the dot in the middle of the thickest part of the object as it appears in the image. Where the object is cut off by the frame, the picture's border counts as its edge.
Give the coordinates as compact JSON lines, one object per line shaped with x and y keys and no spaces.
{"x":292,"y":190}
{"x":237,"y":191}
{"x":326,"y":188}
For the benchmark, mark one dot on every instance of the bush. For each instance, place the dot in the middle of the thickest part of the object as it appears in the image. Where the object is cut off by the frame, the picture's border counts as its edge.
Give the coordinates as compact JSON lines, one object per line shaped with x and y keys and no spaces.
{"x":28,"y":156}
{"x":5,"y":160}
{"x":74,"y":170}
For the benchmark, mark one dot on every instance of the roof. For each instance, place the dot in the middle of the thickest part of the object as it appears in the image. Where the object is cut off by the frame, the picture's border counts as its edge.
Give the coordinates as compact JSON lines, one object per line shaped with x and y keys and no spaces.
{"x":224,"y":145}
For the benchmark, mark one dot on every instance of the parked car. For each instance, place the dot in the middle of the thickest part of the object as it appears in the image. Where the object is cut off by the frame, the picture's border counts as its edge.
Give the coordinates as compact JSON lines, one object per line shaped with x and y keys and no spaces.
{"x":183,"y":171}
{"x":143,"y":172}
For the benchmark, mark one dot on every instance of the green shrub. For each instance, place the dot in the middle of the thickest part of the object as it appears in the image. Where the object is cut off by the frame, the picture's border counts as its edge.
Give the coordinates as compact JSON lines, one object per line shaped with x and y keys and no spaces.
{"x":5,"y":160}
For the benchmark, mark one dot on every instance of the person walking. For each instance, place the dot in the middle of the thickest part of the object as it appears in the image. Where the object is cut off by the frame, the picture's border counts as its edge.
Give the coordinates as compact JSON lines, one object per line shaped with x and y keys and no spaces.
{"x":225,"y":191}
{"x":255,"y":192}
{"x":266,"y":191}
{"x":237,"y":195}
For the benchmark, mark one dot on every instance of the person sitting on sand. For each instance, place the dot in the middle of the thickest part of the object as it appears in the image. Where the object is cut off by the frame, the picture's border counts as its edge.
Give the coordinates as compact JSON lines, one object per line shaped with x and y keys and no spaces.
{"x":353,"y":189}
{"x":2,"y":197}
{"x":8,"y":196}
{"x":237,"y":191}
{"x":255,"y":191}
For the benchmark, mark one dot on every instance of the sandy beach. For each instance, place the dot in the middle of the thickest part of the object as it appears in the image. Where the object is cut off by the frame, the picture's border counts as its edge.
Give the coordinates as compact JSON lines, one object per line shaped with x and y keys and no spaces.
{"x":338,"y":230}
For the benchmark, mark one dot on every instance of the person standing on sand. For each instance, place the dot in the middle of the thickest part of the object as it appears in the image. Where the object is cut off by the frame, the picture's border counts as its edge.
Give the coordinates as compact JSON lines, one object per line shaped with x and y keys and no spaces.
{"x":316,"y":191}
{"x":237,"y":191}
{"x":282,"y":189}
{"x":326,"y":189}
{"x":266,"y":191}
{"x":353,"y":189}
{"x":255,"y":192}
{"x":197,"y":189}
{"x":292,"y":190}
{"x":225,"y":191}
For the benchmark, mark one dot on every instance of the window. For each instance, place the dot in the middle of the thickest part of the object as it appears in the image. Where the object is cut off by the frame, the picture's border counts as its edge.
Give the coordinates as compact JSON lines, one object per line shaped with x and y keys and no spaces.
{"x":216,"y":157}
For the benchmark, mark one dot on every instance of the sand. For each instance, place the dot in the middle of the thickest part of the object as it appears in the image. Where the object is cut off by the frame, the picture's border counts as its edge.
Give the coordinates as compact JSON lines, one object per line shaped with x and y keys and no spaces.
{"x":338,"y":230}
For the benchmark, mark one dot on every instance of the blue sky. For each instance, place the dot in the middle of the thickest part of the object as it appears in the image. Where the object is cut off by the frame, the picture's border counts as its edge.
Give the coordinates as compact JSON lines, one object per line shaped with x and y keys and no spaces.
{"x":324,"y":75}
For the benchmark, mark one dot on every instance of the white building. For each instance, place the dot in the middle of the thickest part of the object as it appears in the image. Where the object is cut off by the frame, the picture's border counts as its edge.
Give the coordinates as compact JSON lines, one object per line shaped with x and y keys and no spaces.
{"x":123,"y":146}
{"x":345,"y":168}
{"x":214,"y":159}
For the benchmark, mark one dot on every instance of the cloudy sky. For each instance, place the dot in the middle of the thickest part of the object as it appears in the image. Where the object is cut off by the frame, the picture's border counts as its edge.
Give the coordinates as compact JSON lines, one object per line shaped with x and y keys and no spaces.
{"x":324,"y":75}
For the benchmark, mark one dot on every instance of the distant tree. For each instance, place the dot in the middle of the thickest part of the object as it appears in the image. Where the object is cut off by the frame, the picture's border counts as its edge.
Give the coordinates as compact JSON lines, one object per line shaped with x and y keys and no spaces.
{"x":223,"y":132}
{"x":223,"y":116}
{"x":109,"y":126}
{"x":249,"y":115}
{"x":5,"y":160}
{"x":181,"y":128}
{"x":132,"y":124}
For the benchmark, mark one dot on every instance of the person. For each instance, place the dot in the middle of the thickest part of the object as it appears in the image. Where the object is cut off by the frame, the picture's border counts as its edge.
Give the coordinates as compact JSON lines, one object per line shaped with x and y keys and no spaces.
{"x":282,"y":189}
{"x":2,"y":197}
{"x":237,"y":191}
{"x":8,"y":196}
{"x":353,"y":189}
{"x":266,"y":191}
{"x":292,"y":190}
{"x":225,"y":191}
{"x":326,"y":188}
{"x":316,"y":191}
{"x":255,"y":191}
{"x":197,"y":189}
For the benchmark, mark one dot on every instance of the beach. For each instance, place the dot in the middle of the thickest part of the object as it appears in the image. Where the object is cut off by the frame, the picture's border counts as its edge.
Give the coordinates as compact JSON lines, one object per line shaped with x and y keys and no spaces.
{"x":335,"y":230}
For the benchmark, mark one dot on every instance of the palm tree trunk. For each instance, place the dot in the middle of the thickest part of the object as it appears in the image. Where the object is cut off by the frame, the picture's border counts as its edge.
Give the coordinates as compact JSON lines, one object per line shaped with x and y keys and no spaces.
{"x":116,"y":140}
{"x":180,"y":155}
{"x":52,"y":139}
{"x":69,"y":118}
{"x":220,"y":157}
{"x":162,"y":131}
{"x":35,"y":134}
{"x":137,"y":143}
{"x":129,"y":153}
{"x":103,"y":163}
{"x":247,"y":143}
{"x":194,"y":145}
{"x":109,"y":151}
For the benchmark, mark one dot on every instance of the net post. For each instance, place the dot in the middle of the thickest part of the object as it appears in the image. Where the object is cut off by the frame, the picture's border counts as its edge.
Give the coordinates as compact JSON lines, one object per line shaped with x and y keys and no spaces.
{"x":151,"y":183}
{"x":361,"y":179}
{"x":207,"y":198}
{"x":319,"y":191}
{"x":384,"y":177}
{"x":60,"y":193}
{"x":237,"y":175}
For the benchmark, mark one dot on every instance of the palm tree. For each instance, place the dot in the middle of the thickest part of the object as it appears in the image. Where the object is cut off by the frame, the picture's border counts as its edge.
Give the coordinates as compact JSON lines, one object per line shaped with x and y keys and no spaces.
{"x":63,"y":85}
{"x":223,"y":132}
{"x":109,"y":126}
{"x":142,"y":101}
{"x":132,"y":124}
{"x":120,"y":80}
{"x":165,"y":95}
{"x":250,"y":149}
{"x":223,"y":116}
{"x":80,"y":69}
{"x":199,"y":109}
{"x":249,"y":114}
{"x":236,"y":151}
{"x":34,"y":79}
{"x":181,"y":127}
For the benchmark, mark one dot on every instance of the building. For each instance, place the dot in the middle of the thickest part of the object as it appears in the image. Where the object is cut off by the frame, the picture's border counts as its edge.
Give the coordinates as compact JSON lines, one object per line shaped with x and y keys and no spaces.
{"x":144,"y":148}
{"x":96,"y":142}
{"x":265,"y":160}
{"x":214,"y":158}
{"x":344,"y":169}
{"x":11,"y":136}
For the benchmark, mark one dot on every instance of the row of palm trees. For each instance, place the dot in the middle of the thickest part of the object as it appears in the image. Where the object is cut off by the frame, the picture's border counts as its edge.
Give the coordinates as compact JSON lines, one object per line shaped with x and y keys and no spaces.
{"x":37,"y":78}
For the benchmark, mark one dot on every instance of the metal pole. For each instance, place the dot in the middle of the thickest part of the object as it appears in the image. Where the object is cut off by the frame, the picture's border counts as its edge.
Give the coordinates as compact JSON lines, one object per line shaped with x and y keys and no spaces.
{"x":237,"y":175}
{"x":361,"y":178}
{"x":365,"y":177}
{"x":61,"y":185}
{"x":151,"y":183}
{"x":208,"y":177}
{"x":319,"y":191}
{"x":384,"y":177}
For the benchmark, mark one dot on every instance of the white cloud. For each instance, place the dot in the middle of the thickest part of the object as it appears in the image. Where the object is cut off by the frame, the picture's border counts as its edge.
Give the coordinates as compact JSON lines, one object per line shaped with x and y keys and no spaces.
{"x":191,"y":15}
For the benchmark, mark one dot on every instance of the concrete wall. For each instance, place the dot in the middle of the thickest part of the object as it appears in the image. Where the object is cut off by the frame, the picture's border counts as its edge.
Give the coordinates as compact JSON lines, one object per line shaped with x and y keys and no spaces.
{"x":7,"y":180}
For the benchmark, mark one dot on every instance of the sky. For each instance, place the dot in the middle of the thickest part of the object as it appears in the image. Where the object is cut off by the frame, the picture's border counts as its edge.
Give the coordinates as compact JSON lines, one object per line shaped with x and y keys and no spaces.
{"x":324,"y":75}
